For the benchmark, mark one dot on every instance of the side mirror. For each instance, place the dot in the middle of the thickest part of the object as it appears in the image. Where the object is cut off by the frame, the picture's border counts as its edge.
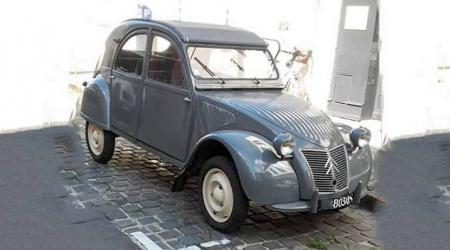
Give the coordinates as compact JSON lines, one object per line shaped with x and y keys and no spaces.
{"x":274,"y":47}
{"x":360,"y":137}
{"x":117,"y":40}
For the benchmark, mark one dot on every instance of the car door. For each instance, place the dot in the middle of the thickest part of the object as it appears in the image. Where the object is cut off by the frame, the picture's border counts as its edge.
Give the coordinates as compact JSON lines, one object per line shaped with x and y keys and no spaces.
{"x":126,"y":83}
{"x":166,"y":117}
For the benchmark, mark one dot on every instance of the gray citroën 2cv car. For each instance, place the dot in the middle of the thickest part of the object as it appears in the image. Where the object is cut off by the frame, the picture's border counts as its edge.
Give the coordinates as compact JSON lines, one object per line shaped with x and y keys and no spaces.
{"x":209,"y":99}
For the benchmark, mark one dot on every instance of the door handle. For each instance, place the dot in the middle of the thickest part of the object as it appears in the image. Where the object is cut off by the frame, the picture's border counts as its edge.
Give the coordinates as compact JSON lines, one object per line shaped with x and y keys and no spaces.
{"x":187,"y":99}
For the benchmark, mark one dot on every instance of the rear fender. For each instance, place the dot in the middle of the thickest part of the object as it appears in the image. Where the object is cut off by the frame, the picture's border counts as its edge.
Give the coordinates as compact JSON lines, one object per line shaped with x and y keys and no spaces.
{"x":95,"y":105}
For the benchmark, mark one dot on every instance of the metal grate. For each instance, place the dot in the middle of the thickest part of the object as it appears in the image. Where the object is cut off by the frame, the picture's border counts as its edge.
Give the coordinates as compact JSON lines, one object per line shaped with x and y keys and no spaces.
{"x":329,"y":168}
{"x":339,"y":155}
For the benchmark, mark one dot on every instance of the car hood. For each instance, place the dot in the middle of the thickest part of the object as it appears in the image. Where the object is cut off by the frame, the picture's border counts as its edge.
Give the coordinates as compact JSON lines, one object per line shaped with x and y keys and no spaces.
{"x":287,"y":112}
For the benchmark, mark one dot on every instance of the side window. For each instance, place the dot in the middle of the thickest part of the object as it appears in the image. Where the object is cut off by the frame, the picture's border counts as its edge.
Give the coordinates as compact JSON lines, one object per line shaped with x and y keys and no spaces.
{"x":165,"y":63}
{"x":131,"y":56}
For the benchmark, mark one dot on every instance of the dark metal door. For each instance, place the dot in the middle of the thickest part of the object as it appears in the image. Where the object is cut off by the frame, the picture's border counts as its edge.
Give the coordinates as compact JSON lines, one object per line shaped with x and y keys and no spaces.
{"x":166,"y":116}
{"x":126,"y":82}
{"x":349,"y":86}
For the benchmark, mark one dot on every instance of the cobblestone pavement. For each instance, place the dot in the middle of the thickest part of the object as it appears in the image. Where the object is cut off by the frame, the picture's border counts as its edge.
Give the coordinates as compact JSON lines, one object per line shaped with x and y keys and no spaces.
{"x":134,"y":191}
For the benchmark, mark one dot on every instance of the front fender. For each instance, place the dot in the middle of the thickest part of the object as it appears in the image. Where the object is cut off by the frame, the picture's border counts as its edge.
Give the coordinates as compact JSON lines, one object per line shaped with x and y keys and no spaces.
{"x":265,"y":178}
{"x":360,"y":167}
{"x":95,"y":105}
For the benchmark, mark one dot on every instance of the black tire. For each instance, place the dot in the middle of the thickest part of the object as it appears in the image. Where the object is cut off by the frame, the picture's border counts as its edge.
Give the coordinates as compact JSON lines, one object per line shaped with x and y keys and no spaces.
{"x":240,"y":201}
{"x":108,"y":146}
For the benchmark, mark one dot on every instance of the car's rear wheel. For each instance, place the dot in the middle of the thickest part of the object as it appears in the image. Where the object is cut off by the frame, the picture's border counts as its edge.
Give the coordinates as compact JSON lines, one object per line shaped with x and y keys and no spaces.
{"x":100,"y":143}
{"x":223,"y":201}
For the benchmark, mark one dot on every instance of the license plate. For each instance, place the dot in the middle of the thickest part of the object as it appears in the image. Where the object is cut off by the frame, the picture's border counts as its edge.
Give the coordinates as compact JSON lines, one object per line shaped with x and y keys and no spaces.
{"x":342,"y":202}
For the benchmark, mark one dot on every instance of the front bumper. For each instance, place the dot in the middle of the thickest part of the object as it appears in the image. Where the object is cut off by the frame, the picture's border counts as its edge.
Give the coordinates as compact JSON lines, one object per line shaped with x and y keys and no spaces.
{"x":321,"y":201}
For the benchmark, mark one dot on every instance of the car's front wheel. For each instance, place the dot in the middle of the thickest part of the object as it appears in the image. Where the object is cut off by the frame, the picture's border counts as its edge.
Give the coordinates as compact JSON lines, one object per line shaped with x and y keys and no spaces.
{"x":100,"y":143}
{"x":223,"y":201}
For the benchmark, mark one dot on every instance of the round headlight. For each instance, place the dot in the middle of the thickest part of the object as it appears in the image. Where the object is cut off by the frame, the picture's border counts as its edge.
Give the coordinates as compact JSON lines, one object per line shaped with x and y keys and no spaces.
{"x":360,"y":137}
{"x":284,"y":144}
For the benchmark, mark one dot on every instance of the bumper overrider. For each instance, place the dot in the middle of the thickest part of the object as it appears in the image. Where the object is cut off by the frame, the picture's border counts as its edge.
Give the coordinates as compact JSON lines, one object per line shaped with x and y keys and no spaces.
{"x":339,"y":178}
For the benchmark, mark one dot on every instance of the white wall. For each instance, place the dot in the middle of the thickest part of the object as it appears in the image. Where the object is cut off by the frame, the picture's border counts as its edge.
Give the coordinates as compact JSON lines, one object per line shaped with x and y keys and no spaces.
{"x":33,"y":65}
{"x":415,"y":41}
{"x":47,"y":39}
{"x":44,"y":40}
{"x":325,"y":42}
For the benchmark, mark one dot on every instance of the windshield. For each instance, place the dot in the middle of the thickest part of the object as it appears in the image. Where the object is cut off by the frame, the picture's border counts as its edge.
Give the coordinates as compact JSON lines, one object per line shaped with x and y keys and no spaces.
{"x":226,"y":63}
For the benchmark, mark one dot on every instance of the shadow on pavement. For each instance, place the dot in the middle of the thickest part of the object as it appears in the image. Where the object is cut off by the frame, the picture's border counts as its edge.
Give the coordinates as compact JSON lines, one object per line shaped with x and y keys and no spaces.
{"x":413,"y":176}
{"x":36,"y":211}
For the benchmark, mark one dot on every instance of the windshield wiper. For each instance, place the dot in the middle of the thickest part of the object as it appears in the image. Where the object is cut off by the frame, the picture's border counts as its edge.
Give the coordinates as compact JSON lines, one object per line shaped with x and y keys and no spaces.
{"x":237,"y":64}
{"x":208,"y":70}
{"x":257,"y":81}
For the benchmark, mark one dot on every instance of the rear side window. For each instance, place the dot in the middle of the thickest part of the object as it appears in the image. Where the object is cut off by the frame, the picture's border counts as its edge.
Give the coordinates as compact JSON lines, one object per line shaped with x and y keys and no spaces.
{"x":131,"y":56}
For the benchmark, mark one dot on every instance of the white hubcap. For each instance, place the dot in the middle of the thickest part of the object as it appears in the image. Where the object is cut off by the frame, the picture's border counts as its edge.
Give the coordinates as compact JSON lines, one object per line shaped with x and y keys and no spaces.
{"x":217,"y":195}
{"x":96,"y":139}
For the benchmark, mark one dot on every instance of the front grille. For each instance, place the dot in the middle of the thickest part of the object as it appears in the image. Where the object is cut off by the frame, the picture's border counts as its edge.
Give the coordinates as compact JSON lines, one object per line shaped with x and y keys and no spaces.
{"x":329,"y":168}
